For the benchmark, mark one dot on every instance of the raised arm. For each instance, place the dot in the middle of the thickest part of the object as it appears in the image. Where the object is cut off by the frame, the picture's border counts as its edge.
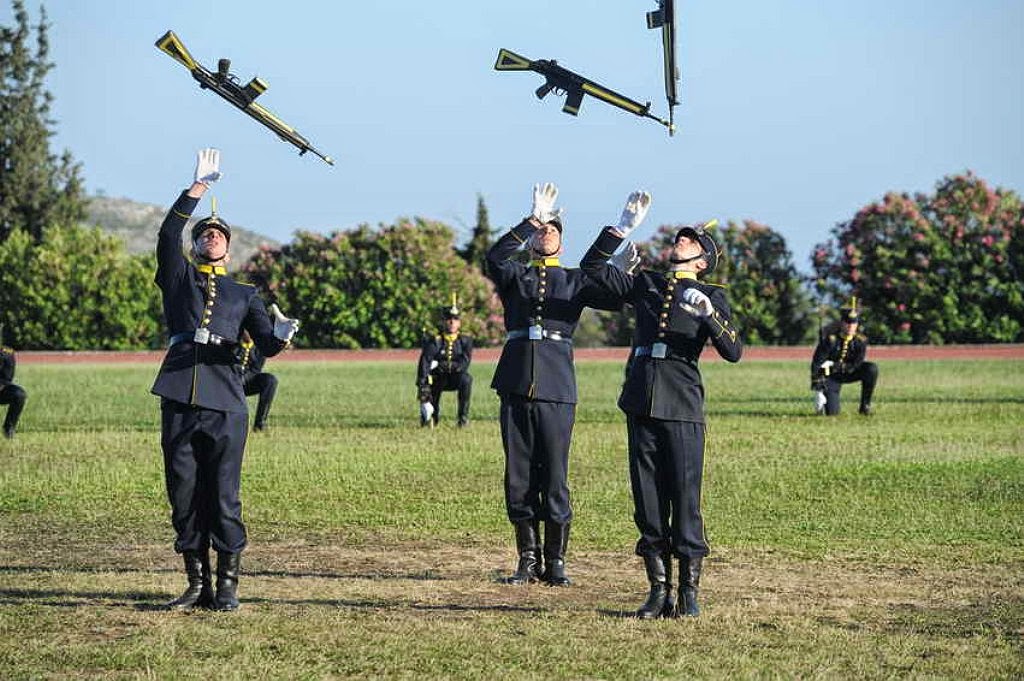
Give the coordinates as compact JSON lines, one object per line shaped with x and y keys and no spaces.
{"x":170,"y":259}
{"x":619,"y":281}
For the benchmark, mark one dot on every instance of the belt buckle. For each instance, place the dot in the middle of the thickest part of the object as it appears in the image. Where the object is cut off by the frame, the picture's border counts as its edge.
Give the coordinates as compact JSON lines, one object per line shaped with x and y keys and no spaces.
{"x":535,"y":332}
{"x":659,"y":350}
{"x":202,"y":336}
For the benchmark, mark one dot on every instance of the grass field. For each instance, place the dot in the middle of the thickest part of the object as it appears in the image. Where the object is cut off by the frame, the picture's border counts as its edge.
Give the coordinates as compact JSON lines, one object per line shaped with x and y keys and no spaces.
{"x":842,"y":548}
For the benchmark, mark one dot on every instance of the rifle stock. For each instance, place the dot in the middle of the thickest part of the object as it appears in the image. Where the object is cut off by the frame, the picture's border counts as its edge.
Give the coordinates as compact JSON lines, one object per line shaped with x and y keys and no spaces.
{"x":574,"y":85}
{"x":226,"y":86}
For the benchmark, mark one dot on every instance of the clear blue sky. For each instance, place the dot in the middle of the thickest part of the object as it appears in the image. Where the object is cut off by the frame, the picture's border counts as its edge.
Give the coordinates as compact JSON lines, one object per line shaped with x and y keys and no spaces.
{"x":794,"y":112}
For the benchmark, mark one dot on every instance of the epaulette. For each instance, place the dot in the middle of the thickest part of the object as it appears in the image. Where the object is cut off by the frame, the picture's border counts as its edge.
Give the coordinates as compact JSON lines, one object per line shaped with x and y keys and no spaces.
{"x":862,"y":338}
{"x":6,"y":350}
{"x":832,"y":338}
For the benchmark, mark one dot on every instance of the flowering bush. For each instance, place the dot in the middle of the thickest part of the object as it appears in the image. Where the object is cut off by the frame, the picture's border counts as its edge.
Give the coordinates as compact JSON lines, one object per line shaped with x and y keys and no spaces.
{"x":375,"y":288}
{"x":942,"y":268}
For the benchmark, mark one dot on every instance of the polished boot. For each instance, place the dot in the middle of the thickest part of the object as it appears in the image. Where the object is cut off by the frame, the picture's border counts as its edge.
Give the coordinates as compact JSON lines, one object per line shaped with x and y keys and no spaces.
{"x":227,"y":581}
{"x":655,"y":565}
{"x":528,"y":547}
{"x":199,"y":593}
{"x":556,"y":541}
{"x":689,"y":581}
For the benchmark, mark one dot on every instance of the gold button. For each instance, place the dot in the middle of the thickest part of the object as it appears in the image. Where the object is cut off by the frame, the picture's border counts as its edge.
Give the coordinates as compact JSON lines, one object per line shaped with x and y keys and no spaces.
{"x":661,"y":334}
{"x":663,"y":325}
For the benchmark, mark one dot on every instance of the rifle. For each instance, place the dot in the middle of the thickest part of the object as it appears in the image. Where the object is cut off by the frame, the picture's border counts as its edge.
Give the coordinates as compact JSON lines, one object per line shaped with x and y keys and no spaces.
{"x":665,"y":18}
{"x":573,"y":85}
{"x":226,"y":85}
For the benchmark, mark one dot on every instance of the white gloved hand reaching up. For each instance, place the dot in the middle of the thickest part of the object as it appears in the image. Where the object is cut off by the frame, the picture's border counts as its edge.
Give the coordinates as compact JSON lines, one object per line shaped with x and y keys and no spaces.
{"x":207,"y":166}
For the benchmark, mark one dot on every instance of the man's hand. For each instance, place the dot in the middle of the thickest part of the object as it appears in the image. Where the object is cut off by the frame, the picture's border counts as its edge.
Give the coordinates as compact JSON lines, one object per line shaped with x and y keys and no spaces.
{"x":637,"y":205}
{"x":826,"y":367}
{"x":284,"y":328}
{"x":697,"y":303}
{"x":819,"y":402}
{"x":207,"y":166}
{"x":544,"y":196}
{"x":427,"y":413}
{"x":628,"y":259}
{"x":433,"y":365}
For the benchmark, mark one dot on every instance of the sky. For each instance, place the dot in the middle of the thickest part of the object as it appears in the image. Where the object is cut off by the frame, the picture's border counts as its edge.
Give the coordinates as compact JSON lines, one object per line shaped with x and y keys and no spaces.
{"x":794,"y":113}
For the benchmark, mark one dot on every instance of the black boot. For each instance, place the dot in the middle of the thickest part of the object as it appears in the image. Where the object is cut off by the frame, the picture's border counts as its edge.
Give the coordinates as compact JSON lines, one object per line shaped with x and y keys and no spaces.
{"x":689,"y":579}
{"x":657,"y":576}
{"x":199,"y":593}
{"x":528,"y":547}
{"x":556,"y":541}
{"x":227,"y":581}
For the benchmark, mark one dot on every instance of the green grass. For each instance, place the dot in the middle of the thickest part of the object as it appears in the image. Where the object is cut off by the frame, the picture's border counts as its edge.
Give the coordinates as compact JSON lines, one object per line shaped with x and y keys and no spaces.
{"x":850,"y":546}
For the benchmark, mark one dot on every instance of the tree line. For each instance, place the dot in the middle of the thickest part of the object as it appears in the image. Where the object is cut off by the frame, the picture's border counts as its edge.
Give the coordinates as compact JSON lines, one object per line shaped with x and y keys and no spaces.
{"x":942,"y":267}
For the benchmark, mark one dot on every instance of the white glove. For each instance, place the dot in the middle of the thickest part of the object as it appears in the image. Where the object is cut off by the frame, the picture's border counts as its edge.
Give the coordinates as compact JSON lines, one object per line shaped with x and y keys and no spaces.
{"x":826,"y":367}
{"x":819,"y":401}
{"x":433,"y":364}
{"x":427,"y":412}
{"x":544,"y":202}
{"x":208,"y":166}
{"x":284,"y":328}
{"x":637,"y":205}
{"x":697,"y":303}
{"x":628,"y":259}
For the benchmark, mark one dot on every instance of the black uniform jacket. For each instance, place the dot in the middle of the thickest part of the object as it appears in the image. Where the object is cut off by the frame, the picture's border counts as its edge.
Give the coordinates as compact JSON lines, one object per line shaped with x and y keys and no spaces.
{"x":539,"y":369}
{"x":7,"y":365}
{"x":666,"y":388}
{"x":847,"y":352}
{"x":453,"y":354}
{"x":204,"y":375}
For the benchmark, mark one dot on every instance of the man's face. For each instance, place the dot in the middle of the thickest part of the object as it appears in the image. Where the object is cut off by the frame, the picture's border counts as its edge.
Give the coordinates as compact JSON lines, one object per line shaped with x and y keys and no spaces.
{"x":212,"y":244}
{"x":850,"y":328}
{"x":547,"y":240}
{"x":685,"y":248}
{"x":452,"y":325}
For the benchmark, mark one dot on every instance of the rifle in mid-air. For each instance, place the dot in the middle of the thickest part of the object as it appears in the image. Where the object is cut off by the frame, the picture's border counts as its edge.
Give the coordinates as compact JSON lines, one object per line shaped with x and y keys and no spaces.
{"x":665,"y":18}
{"x":562,"y":80}
{"x":226,"y":85}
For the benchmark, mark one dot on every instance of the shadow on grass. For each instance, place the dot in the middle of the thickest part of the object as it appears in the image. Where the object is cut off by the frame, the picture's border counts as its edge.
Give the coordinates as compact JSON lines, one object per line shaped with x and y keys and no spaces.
{"x":140,"y":600}
{"x":419,"y":576}
{"x":394,"y":605}
{"x":154,"y":601}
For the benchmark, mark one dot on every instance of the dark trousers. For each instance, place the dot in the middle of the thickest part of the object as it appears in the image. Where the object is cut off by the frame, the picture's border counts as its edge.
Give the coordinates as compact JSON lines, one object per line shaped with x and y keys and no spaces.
{"x":264,"y":385}
{"x":462,"y":382}
{"x":666,"y":465}
{"x":536,"y":438}
{"x":866,"y":373}
{"x":15,"y":396}
{"x":202,"y":468}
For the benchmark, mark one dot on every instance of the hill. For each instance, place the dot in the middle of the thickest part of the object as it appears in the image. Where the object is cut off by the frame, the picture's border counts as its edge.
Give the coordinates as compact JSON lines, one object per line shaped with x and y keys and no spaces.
{"x":138,"y":223}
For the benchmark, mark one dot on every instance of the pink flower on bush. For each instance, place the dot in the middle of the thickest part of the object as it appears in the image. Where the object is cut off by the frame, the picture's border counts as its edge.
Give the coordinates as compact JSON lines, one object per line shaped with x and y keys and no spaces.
{"x":918,"y":236}
{"x":988,"y":240}
{"x":901,"y":307}
{"x":905,"y":327}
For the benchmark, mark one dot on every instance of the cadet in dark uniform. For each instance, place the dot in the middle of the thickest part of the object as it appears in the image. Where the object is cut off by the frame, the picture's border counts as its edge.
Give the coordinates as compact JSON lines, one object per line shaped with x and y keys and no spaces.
{"x":10,"y":394}
{"x":839,"y":358}
{"x":663,"y":397}
{"x":256,"y":381}
{"x":204,"y":414}
{"x":536,"y":381}
{"x":444,"y":365}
